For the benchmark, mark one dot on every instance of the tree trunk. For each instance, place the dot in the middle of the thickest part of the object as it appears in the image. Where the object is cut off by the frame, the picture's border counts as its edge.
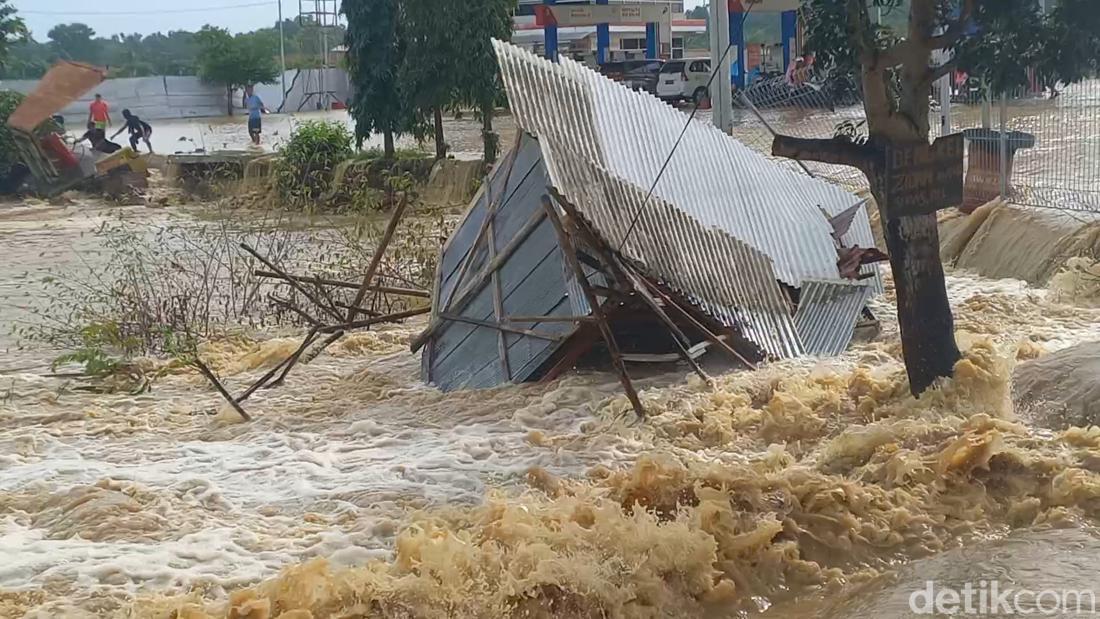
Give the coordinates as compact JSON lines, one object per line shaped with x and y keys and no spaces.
{"x":924,"y":313}
{"x":489,"y":139}
{"x":228,"y":100}
{"x":440,"y":144}
{"x":387,"y":149}
{"x":913,"y":242}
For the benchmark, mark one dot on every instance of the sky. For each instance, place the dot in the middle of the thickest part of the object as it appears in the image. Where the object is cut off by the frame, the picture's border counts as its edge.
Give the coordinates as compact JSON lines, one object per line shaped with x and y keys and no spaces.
{"x":109,"y":17}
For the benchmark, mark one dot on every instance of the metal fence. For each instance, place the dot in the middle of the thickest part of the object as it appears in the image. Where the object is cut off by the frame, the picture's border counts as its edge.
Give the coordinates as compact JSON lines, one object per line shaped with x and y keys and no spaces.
{"x":1038,"y":150}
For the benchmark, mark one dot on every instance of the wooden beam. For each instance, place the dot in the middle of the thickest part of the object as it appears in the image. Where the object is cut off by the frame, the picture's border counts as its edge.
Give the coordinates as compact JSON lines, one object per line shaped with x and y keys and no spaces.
{"x":498,"y":297}
{"x":535,"y":319}
{"x":567,"y":250}
{"x":490,"y":213}
{"x":293,"y":283}
{"x":503,"y":328}
{"x":479,"y":281}
{"x":678,"y":336}
{"x":376,"y":259}
{"x":221,"y":389}
{"x":335,"y":283}
{"x":359,"y":324}
{"x":710,"y":335}
{"x":579,"y":343}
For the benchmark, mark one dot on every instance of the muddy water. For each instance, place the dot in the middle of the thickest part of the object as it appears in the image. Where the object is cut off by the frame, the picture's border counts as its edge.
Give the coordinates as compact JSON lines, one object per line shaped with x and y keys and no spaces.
{"x":231,"y":133}
{"x":806,"y":488}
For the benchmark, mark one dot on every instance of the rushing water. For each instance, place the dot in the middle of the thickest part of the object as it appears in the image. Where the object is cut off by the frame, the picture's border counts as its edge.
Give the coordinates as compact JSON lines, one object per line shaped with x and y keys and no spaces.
{"x":806,"y":488}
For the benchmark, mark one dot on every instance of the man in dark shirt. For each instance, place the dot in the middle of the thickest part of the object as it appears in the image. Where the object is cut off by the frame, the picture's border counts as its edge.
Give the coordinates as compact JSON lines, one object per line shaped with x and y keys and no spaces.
{"x":138,"y":128}
{"x":97,"y":138}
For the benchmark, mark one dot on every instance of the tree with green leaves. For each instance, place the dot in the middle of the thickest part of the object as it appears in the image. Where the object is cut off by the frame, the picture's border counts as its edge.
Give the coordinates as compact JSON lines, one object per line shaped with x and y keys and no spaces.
{"x":233,"y":62}
{"x":476,"y":23}
{"x":376,"y":47}
{"x":430,"y":65}
{"x":996,"y":40}
{"x":75,"y":42}
{"x":12,"y":30}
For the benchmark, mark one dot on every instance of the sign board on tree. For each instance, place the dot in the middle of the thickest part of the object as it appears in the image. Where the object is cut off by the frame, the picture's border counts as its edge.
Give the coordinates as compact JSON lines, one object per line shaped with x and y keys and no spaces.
{"x":922,"y":179}
{"x":566,"y":15}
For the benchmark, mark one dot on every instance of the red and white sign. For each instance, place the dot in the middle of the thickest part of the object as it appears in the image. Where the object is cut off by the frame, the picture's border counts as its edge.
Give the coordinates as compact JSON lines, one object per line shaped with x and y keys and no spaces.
{"x":566,"y":15}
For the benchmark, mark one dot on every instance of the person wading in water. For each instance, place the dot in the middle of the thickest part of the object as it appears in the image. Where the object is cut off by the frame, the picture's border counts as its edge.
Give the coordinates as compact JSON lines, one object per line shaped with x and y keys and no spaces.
{"x":99,"y":113}
{"x":255,"y":106}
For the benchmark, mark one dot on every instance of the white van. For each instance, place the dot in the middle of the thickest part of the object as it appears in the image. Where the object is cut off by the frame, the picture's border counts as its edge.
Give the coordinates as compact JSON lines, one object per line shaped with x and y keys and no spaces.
{"x":684,"y":79}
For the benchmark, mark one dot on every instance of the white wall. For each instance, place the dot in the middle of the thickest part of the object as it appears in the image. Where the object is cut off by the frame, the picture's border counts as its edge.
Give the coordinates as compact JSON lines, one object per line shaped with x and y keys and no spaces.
{"x":163,"y":97}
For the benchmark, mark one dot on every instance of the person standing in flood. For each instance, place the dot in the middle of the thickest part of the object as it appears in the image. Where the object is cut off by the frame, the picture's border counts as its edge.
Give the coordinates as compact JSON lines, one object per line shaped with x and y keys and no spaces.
{"x":99,"y":113}
{"x":138,"y":128}
{"x":255,"y":106}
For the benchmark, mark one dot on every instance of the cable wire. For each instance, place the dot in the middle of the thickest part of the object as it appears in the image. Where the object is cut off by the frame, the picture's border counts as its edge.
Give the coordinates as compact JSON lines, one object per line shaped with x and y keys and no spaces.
{"x":691,"y":117}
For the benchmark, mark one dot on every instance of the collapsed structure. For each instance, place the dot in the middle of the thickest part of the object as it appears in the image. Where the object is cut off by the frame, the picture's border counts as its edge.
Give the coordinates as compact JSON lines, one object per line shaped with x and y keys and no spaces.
{"x":589,"y":230}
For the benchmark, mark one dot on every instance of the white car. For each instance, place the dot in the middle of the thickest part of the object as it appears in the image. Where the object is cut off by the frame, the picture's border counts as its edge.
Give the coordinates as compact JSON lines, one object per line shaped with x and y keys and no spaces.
{"x":684,"y":79}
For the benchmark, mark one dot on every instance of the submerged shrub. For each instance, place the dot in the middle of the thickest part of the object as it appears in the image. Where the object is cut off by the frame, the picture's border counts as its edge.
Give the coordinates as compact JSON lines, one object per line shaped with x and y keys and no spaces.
{"x":304,"y":170}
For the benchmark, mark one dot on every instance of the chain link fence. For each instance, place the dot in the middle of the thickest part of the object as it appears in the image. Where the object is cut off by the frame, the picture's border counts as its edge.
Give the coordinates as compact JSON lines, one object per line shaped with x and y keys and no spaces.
{"x":1037,"y":148}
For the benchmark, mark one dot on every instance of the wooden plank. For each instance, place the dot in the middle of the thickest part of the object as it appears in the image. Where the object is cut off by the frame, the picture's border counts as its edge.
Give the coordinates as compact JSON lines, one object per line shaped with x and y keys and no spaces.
{"x":498,"y":300}
{"x":549,"y":319}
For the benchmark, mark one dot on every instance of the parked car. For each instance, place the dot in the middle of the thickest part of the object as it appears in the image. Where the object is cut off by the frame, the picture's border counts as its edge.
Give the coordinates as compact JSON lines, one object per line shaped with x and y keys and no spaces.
{"x":685,"y":79}
{"x":644,"y":77}
{"x":637,"y":74}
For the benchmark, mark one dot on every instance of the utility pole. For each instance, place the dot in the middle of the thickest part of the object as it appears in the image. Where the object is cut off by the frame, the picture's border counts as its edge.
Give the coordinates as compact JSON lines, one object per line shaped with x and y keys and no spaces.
{"x":282,"y":54}
{"x":721,"y":89}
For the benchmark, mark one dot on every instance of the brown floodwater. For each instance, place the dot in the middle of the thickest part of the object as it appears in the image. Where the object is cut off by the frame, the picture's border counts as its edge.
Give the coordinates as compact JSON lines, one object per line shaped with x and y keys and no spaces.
{"x":805,"y":488}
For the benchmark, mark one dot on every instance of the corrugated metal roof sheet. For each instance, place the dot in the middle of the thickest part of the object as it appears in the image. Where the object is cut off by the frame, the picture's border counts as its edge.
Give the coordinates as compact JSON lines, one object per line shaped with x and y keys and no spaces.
{"x":712,"y":177}
{"x":827,"y":314}
{"x":729,"y":280}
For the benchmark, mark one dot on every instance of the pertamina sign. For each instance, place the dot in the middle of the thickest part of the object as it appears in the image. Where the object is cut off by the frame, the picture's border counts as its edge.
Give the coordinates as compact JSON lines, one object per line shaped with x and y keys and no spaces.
{"x":566,"y":15}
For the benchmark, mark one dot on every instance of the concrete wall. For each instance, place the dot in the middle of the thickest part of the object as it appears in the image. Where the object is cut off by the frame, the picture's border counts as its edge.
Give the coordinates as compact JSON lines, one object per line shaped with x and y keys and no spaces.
{"x":164,"y":97}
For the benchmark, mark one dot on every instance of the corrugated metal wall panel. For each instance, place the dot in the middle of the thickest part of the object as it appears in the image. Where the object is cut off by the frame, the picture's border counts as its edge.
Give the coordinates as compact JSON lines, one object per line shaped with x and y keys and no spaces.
{"x":532,"y":281}
{"x":827,"y":314}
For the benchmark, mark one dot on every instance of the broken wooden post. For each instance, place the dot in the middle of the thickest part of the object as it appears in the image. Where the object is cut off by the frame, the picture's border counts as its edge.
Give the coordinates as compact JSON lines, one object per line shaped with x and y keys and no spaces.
{"x":210,"y":376}
{"x":570,"y":254}
{"x":376,"y":259}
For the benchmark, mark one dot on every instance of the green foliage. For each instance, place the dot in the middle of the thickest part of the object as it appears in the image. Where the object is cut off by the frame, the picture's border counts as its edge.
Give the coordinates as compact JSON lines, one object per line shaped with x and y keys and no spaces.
{"x":103,"y":349}
{"x":477,"y":23}
{"x":306,"y":161}
{"x":12,"y":29}
{"x":1007,"y":38}
{"x":233,"y":61}
{"x":74,"y":42}
{"x":9,"y":100}
{"x":375,"y":50}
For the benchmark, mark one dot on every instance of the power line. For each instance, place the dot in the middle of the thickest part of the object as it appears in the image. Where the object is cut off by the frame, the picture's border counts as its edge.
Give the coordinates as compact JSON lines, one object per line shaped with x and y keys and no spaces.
{"x":161,"y":12}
